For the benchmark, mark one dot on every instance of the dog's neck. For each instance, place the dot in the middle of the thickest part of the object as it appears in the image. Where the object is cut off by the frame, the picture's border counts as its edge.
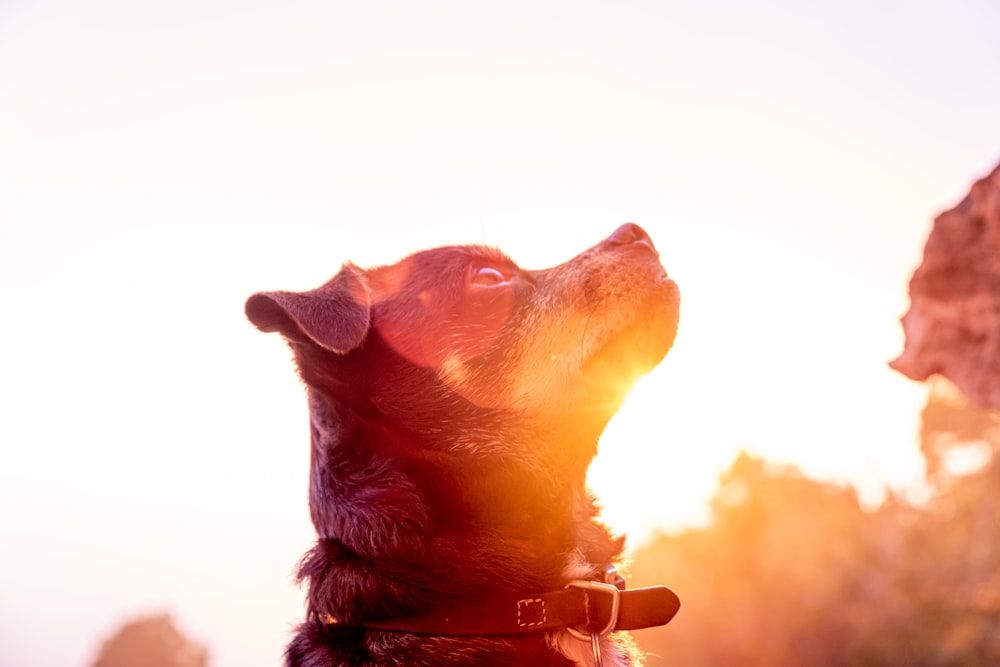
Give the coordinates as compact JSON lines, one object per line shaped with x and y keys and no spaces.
{"x":509,"y":520}
{"x":417,"y":484}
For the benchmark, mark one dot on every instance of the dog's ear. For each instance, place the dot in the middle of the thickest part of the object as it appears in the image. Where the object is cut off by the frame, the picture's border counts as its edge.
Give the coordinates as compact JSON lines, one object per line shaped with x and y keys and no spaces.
{"x":336,"y":316}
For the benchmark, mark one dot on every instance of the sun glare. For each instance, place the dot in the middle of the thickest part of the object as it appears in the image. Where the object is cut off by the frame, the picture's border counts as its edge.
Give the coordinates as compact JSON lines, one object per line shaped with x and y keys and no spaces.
{"x":787,"y":362}
{"x":642,"y":475}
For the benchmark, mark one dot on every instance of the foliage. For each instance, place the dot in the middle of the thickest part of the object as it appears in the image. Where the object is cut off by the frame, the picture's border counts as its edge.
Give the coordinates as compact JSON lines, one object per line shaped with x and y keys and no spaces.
{"x":150,"y":642}
{"x":792,"y":571}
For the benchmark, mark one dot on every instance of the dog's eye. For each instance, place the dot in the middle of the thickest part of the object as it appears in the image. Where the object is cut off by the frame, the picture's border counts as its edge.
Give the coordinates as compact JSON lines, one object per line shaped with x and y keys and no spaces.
{"x":488,"y":276}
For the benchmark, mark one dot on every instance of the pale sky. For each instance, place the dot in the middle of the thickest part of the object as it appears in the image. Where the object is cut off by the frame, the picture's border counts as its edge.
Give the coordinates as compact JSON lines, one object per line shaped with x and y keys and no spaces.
{"x":161,"y":162}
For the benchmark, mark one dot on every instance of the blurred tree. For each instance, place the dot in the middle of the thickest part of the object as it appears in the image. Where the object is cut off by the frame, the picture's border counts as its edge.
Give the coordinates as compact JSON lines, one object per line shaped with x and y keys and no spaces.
{"x":952,"y":572}
{"x":764,"y":583}
{"x":791,"y":571}
{"x":152,"y":641}
{"x":951,"y":430}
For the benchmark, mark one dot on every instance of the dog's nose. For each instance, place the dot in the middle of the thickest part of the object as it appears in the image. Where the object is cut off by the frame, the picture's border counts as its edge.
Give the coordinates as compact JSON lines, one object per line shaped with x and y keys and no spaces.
{"x":629,"y":233}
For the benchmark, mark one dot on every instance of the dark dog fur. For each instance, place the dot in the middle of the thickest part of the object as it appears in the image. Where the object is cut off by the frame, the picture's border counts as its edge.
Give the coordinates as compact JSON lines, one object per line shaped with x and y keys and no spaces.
{"x":456,"y":401}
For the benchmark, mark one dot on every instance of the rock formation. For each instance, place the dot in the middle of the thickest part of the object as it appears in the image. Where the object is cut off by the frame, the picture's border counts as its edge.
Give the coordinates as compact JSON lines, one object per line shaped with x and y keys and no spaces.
{"x":953,"y":325}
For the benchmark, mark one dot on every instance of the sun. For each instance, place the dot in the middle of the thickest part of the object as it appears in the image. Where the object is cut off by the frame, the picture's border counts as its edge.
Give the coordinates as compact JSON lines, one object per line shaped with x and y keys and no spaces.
{"x":644,"y":476}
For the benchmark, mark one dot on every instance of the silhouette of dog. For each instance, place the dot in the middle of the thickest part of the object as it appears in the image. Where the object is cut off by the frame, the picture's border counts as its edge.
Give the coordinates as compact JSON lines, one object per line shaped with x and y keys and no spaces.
{"x":456,"y":401}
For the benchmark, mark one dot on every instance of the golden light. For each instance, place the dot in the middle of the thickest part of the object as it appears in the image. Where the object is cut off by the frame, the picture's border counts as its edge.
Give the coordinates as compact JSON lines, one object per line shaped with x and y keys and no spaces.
{"x":773,"y":356}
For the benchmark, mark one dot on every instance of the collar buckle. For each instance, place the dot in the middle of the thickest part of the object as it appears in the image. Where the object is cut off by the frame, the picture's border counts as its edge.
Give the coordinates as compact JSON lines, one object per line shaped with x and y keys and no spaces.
{"x":585,"y":633}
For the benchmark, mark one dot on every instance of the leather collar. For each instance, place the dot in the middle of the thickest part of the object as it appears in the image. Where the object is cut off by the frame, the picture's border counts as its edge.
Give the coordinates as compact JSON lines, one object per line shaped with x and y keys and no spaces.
{"x":584,"y":607}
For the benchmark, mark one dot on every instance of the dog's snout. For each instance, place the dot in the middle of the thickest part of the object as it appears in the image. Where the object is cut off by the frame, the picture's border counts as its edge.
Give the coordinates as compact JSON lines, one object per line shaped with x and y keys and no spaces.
{"x":627,"y":234}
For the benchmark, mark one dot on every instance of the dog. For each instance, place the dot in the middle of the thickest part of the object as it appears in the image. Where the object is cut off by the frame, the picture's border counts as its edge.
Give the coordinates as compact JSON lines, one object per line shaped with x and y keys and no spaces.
{"x":456,"y":402}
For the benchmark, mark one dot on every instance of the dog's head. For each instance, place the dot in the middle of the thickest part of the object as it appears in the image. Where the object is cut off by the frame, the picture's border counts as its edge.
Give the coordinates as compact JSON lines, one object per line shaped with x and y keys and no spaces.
{"x":460,"y":338}
{"x":456,"y":401}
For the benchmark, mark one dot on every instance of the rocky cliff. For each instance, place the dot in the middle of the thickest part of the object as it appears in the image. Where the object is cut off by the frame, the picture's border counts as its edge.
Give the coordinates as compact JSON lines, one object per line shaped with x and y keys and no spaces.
{"x":953,"y":325}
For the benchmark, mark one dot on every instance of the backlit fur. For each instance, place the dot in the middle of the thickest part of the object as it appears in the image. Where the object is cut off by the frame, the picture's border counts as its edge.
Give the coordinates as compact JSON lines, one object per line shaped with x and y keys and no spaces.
{"x":456,"y":401}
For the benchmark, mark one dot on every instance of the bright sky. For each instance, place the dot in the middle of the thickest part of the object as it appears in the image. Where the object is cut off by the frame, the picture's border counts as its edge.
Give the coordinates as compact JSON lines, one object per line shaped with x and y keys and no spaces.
{"x":161,"y":162}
